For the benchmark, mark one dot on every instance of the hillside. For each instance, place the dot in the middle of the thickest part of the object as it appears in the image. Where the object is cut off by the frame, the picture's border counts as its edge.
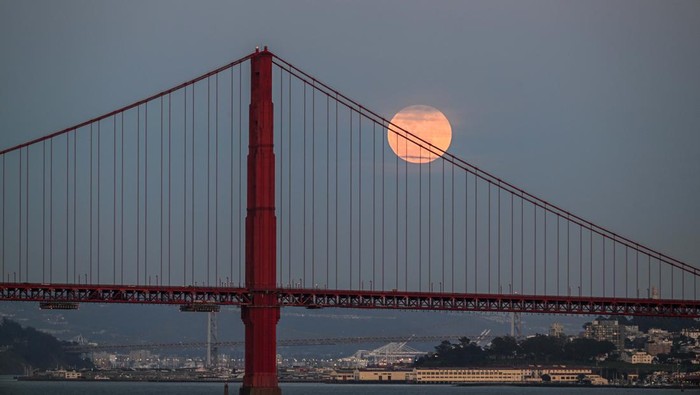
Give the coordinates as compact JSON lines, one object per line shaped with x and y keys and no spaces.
{"x":21,"y":348}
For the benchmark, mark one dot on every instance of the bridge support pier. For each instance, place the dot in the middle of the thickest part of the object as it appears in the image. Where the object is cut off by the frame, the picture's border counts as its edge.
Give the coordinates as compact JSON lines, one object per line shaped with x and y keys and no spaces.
{"x":261,"y":316}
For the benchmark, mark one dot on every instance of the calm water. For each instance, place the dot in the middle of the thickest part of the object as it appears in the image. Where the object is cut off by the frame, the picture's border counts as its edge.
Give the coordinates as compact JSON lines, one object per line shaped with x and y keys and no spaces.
{"x":11,"y":387}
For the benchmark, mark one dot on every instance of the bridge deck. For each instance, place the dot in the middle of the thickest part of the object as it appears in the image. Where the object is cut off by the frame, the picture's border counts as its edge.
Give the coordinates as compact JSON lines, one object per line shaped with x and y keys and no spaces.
{"x":321,"y":298}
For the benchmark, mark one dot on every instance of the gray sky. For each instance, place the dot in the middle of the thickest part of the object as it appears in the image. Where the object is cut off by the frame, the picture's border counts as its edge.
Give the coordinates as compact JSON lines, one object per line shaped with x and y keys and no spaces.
{"x":594,"y":105}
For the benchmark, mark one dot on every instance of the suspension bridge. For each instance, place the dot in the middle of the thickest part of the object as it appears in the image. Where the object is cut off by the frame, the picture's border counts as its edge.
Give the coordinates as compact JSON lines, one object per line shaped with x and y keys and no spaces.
{"x":155,"y":203}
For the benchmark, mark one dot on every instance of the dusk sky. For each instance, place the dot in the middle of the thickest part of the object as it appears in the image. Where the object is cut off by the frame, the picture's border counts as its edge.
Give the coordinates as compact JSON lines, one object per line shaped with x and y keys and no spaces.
{"x":593,"y":105}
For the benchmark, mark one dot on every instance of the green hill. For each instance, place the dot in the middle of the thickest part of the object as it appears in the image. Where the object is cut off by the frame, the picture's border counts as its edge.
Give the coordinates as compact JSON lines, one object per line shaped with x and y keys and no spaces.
{"x":21,"y":348}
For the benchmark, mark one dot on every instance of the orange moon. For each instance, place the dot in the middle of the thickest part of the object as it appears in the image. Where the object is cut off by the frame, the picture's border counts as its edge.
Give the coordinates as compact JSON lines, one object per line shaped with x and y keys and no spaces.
{"x":427,"y":124}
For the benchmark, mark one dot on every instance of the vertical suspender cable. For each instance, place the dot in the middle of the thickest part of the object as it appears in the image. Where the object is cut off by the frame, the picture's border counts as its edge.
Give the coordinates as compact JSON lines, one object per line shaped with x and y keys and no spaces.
{"x":19,"y":215}
{"x":476,"y":232}
{"x":430,"y":261}
{"x":160,"y":279}
{"x":231,"y":176}
{"x":374,"y":207}
{"x":648,"y":276}
{"x":488,"y":282}
{"x":534,"y":247}
{"x":43,"y":211}
{"x":673,"y":275}
{"x":289,"y":182}
{"x":580,"y":260}
{"x":351,"y":195}
{"x":466,"y":232}
{"x":51,"y":211}
{"x":658,"y":284}
{"x":442,"y":235}
{"x":568,"y":256}
{"x":146,"y":277}
{"x":452,"y":233}
{"x":208,"y":178}
{"x":121,"y":202}
{"x":359,"y":198}
{"x":590,"y":255}
{"x":545,"y":250}
{"x":405,"y":170}
{"x":313,"y":186}
{"x":303,"y":248}
{"x":26,"y":213}
{"x":420,"y":221}
{"x":67,"y":204}
{"x":627,"y":271}
{"x":184,"y":188}
{"x":522,"y":244}
{"x":382,"y":199}
{"x":114,"y":199}
{"x":396,"y":216}
{"x":170,"y":186}
{"x":499,"y":239}
{"x":336,"y":193}
{"x":216,"y":182}
{"x":138,"y":191}
{"x":2,"y":255}
{"x":231,"y":180}
{"x":328,"y":201}
{"x":114,"y":205}
{"x":682,"y":284}
{"x":604,"y":239}
{"x":558,"y":252}
{"x":240,"y":169}
{"x":636,"y":271}
{"x":615,"y":268}
{"x":98,"y":200}
{"x":192,"y":179}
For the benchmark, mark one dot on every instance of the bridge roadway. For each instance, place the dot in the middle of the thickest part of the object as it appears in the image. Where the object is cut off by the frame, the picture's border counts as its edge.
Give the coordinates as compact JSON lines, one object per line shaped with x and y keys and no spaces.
{"x":358,"y":299}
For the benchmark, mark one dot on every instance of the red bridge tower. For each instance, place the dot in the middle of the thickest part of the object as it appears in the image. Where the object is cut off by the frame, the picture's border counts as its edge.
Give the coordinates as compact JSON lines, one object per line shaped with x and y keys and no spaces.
{"x":260,"y":317}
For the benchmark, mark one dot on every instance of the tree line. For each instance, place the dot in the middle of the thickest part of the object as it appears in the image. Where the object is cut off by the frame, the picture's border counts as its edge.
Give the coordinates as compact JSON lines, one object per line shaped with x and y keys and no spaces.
{"x":27,"y":348}
{"x":507,"y":350}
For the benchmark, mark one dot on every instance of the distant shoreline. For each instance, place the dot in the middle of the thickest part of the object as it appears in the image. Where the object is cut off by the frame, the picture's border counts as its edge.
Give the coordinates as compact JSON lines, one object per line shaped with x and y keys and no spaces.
{"x":353,"y":382}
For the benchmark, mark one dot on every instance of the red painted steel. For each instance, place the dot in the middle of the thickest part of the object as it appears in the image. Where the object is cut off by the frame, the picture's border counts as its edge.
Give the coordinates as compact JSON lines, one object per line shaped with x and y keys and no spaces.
{"x":139,"y":294}
{"x":316,"y":298}
{"x":261,"y":315}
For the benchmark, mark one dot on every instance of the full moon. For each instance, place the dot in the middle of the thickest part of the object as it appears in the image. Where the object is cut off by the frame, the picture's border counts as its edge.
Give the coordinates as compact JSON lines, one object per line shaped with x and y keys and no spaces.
{"x":422,"y":123}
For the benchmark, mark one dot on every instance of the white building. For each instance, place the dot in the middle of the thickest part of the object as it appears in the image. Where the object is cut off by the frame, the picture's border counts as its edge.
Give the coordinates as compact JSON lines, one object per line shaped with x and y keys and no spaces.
{"x":637,"y":357}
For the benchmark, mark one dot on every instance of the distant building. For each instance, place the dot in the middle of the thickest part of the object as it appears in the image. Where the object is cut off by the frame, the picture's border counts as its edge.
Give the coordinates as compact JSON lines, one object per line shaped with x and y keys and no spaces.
{"x":385,"y":376}
{"x":691,"y":333}
{"x":556,"y":330}
{"x":637,"y":357}
{"x":656,"y":347}
{"x":609,"y":330}
{"x":493,"y":375}
{"x":505,"y":375}
{"x":67,"y":374}
{"x":342,"y":375}
{"x":658,"y":334}
{"x":476,"y":375}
